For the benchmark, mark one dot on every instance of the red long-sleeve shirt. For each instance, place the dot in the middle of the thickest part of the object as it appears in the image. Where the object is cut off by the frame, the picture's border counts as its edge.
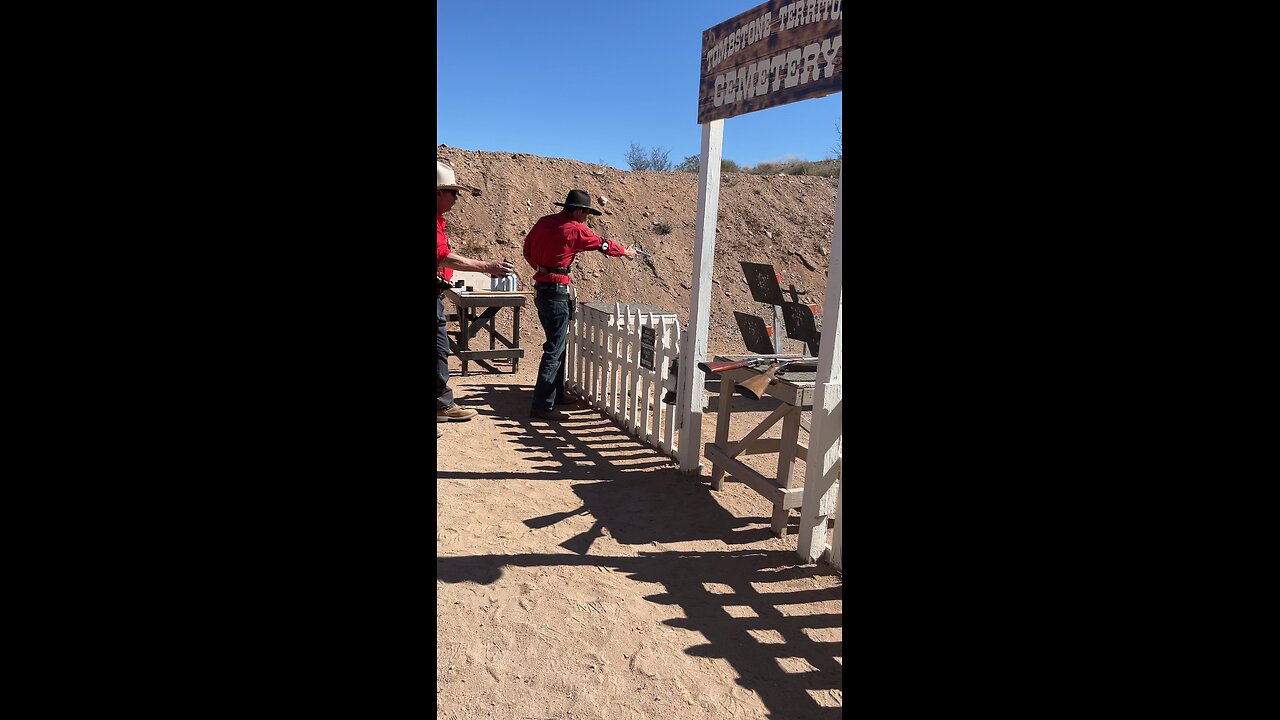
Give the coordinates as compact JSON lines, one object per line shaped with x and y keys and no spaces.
{"x":556,"y":240}
{"x":442,"y":248}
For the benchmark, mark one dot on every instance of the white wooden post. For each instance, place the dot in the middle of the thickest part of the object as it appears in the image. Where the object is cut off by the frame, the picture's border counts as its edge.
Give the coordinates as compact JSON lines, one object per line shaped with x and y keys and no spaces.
{"x":578,"y":352}
{"x":626,"y":414}
{"x":595,"y":359}
{"x":822,"y":465}
{"x":628,"y":417}
{"x":632,"y":369}
{"x":670,"y":413}
{"x":837,"y":536}
{"x":777,"y":330}
{"x":694,"y":348}
{"x":646,"y":382}
{"x":660,"y":374}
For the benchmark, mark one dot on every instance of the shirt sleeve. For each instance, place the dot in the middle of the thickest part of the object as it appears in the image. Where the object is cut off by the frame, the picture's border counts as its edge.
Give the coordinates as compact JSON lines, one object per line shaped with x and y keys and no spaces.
{"x":588,"y":240}
{"x":442,"y":247}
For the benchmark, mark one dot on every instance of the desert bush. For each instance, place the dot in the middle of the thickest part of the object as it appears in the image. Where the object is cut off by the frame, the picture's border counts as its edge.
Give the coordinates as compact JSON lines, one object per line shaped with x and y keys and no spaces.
{"x":691,"y":164}
{"x":662,"y":227}
{"x":656,"y":159}
{"x":636,"y":157}
{"x":798,"y":167}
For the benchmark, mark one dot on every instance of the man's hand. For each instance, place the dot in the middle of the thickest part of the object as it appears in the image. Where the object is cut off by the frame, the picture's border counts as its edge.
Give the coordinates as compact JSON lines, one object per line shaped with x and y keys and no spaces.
{"x":499,"y":268}
{"x":631,"y":253}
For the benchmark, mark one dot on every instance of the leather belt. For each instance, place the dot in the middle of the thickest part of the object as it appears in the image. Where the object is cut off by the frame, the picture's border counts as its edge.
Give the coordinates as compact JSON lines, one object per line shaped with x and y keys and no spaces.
{"x":553,"y":271}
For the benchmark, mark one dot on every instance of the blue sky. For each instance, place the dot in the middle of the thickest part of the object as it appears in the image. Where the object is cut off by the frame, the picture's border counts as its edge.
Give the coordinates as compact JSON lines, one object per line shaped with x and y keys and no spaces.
{"x":585,"y":80}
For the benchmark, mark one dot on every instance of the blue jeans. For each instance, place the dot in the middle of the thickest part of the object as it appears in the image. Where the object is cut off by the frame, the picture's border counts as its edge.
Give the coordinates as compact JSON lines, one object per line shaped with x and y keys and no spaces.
{"x":444,"y":396}
{"x":555,"y":310}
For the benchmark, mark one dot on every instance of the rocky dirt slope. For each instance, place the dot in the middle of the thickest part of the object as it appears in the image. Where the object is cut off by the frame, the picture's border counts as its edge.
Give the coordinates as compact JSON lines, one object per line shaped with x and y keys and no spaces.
{"x":784,"y":221}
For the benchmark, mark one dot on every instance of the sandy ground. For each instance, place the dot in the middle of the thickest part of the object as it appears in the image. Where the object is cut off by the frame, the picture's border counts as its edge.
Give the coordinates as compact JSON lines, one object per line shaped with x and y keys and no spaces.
{"x":580,"y":575}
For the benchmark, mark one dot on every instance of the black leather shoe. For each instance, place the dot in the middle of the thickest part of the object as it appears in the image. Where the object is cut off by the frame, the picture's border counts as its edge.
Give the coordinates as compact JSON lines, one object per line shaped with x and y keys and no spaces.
{"x":550,"y":415}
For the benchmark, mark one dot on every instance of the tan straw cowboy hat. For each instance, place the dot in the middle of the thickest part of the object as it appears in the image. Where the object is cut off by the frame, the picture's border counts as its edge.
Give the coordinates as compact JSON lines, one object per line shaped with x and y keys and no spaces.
{"x":446,"y":180}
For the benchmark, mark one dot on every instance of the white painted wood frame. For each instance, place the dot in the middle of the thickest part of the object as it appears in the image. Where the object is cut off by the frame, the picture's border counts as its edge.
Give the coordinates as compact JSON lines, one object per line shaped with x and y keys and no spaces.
{"x":694,"y":348}
{"x":823,"y":468}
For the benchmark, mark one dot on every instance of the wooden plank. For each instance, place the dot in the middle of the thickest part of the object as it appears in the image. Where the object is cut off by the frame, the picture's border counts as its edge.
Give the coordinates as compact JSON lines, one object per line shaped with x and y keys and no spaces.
{"x":766,"y":446}
{"x":675,"y":351}
{"x":633,"y":369}
{"x":790,"y":441}
{"x":602,"y":363}
{"x":515,"y":333}
{"x":776,"y":53}
{"x":773,"y":417}
{"x":473,"y":300}
{"x":826,"y":439}
{"x":612,"y":392}
{"x":783,"y":499}
{"x":744,"y":473}
{"x":588,"y":352}
{"x":791,"y":497}
{"x":659,"y":389}
{"x":577,"y":353}
{"x":672,"y":412}
{"x":495,"y":293}
{"x":624,"y":342}
{"x":594,"y":345}
{"x":616,"y":369}
{"x":509,"y":353}
{"x":584,"y":360}
{"x":786,"y":464}
{"x":629,"y":368}
{"x":620,"y":355}
{"x":722,"y":428}
{"x":777,"y":330}
{"x":615,"y":338}
{"x":647,"y":401}
{"x":837,"y":536}
{"x":606,"y":366}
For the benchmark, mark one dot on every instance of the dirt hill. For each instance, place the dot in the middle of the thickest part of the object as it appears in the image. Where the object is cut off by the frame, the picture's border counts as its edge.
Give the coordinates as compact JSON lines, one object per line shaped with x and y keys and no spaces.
{"x":783,"y":221}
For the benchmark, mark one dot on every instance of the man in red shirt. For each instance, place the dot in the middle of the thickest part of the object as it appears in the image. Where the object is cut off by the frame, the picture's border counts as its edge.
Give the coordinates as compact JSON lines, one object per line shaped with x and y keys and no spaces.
{"x":447,"y":190}
{"x":550,"y":248}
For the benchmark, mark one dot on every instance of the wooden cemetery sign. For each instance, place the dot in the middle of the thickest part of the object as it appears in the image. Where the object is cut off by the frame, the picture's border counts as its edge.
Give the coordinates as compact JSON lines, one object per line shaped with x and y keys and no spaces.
{"x":777,"y":53}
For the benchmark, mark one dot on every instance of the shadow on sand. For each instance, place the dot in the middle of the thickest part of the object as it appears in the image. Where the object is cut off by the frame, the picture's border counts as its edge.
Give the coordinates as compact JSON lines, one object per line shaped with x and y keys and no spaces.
{"x":735,"y":598}
{"x":745,"y":579}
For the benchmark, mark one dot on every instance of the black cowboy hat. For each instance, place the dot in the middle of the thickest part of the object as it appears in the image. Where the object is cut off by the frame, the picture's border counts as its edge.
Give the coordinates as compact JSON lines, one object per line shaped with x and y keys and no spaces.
{"x":578,"y":199}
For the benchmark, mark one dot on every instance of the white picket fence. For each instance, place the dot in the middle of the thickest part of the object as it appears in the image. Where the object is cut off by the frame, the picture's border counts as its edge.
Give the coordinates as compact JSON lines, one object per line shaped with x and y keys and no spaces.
{"x":604,"y":367}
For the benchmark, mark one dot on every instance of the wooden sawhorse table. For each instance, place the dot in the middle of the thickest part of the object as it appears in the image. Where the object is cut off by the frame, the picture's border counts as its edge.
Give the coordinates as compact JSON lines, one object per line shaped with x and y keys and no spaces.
{"x":794,"y":391}
{"x":470,"y":323}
